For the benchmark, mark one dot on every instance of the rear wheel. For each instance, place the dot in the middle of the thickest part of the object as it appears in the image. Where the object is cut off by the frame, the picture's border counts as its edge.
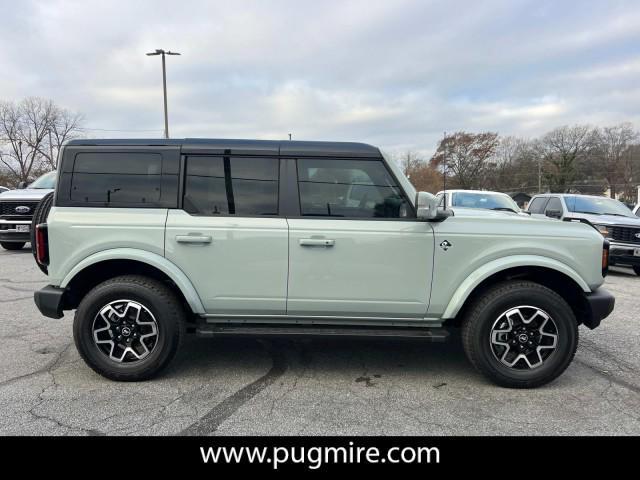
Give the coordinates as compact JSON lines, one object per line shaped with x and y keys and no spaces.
{"x":40,"y":216}
{"x":129,"y":328}
{"x":636,"y":269}
{"x":12,"y":245}
{"x":520,"y":334}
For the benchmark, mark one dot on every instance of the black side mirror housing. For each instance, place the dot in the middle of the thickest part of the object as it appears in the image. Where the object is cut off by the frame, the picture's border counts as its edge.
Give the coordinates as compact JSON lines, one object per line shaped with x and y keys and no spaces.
{"x":553,"y":213}
{"x":22,"y":185}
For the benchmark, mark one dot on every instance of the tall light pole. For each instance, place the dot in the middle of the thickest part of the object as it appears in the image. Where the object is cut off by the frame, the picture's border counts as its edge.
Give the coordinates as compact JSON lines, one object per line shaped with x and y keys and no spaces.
{"x":162,"y":52}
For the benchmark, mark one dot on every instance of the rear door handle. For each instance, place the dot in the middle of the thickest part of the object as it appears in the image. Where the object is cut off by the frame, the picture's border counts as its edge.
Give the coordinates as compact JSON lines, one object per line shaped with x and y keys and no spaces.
{"x":194,"y":239}
{"x":316,"y":242}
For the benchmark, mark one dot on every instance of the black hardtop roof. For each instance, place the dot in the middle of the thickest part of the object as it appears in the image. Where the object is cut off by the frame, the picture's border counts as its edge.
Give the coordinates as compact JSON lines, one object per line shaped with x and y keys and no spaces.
{"x":243,"y":147}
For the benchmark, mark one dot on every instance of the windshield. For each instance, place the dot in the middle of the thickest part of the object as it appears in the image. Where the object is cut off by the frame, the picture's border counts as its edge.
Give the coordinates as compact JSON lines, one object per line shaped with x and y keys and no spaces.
{"x":48,"y":180}
{"x":490,"y":200}
{"x":597,"y":206}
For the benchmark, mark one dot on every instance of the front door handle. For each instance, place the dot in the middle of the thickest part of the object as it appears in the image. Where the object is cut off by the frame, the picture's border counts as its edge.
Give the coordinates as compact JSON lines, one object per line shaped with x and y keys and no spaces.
{"x":317,"y":242}
{"x":194,"y":239}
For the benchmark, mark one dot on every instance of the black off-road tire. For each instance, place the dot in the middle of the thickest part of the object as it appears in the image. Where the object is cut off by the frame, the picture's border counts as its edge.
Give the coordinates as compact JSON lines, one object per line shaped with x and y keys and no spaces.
{"x":636,"y":269}
{"x":480,"y":318}
{"x":154,"y":295}
{"x":12,"y":245}
{"x":40,"y":216}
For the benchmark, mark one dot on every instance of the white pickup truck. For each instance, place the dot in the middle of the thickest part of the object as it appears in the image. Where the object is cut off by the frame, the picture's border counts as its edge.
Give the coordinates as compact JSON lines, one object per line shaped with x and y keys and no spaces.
{"x":17,"y":208}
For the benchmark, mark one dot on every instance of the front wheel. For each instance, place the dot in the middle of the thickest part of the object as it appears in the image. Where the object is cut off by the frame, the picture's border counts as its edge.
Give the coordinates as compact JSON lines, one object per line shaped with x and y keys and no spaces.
{"x":129,"y":328}
{"x":12,"y":245}
{"x":636,"y":269}
{"x":520,"y":334}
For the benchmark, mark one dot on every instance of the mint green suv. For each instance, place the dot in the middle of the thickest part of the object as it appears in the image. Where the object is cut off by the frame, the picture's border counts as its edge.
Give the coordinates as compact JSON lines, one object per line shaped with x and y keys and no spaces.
{"x":148,"y":240}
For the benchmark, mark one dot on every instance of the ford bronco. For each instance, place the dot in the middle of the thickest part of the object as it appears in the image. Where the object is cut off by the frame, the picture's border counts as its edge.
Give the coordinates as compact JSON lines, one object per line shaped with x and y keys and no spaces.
{"x":150,"y":239}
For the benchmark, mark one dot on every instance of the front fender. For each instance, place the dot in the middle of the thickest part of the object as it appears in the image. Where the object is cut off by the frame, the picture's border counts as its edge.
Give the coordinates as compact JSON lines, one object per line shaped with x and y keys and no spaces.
{"x":485,"y":271}
{"x":153,"y":259}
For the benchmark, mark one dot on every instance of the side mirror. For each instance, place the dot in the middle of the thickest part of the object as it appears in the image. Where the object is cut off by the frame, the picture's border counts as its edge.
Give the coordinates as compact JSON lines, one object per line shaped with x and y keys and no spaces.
{"x":427,"y":207}
{"x":22,"y":185}
{"x":553,"y":213}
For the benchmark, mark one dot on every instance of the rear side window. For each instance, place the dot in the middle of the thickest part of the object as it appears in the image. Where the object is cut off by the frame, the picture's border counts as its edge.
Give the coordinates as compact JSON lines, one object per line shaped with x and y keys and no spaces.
{"x":349,"y":188}
{"x":231,"y":186}
{"x":116,"y":178}
{"x":537,"y":205}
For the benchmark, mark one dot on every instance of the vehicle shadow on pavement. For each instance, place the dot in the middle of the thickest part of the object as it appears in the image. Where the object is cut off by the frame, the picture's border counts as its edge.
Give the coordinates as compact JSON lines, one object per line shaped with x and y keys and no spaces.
{"x":621,"y":272}
{"x":327,"y":356}
{"x":24,"y":251}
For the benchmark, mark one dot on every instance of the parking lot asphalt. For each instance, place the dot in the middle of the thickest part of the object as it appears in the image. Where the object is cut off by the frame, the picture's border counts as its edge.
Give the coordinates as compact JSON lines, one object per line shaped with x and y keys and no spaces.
{"x":311,"y":387}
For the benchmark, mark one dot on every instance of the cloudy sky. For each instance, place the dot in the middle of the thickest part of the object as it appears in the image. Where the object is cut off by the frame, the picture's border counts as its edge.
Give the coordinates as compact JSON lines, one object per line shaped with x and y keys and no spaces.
{"x":393,"y":73}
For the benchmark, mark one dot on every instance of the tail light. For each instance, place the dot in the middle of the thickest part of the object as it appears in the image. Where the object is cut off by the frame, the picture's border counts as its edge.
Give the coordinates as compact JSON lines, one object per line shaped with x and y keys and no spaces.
{"x":605,"y":257}
{"x":42,"y":244}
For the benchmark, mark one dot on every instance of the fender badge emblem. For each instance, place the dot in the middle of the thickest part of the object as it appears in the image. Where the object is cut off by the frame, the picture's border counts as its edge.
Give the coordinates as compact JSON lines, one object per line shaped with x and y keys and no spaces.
{"x":445,"y":245}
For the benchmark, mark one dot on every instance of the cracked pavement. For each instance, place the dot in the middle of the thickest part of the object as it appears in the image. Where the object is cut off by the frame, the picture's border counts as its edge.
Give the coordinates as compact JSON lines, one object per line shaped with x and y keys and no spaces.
{"x":311,"y":387}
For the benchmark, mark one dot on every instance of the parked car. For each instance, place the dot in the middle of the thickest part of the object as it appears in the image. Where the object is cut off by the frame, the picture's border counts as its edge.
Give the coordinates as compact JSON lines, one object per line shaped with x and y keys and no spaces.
{"x":611,"y":218}
{"x":478,"y":199}
{"x":3,"y":189}
{"x":149,"y":239}
{"x":17,"y":208}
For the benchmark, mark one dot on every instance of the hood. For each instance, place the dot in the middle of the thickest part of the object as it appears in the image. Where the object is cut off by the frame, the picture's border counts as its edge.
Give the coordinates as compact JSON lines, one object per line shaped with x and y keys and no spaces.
{"x":483,"y":212}
{"x":606,"y":219}
{"x":25,"y":194}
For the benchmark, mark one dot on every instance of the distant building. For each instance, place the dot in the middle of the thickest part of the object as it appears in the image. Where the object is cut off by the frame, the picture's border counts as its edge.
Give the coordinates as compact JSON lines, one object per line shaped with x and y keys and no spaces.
{"x":521,"y":198}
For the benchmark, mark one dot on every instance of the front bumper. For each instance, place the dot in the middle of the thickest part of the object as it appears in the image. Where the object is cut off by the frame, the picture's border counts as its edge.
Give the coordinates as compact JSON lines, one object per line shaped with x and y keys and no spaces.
{"x":622,"y":253}
{"x":599,"y":305}
{"x":50,"y":301}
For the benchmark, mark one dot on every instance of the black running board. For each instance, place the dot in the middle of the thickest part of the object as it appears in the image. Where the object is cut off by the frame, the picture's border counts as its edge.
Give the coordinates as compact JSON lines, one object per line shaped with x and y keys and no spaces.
{"x":217,"y":330}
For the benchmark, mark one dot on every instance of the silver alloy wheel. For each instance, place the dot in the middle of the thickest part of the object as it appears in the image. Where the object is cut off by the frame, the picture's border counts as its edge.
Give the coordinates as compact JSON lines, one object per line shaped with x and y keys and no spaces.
{"x":523,"y":337}
{"x":125,"y":330}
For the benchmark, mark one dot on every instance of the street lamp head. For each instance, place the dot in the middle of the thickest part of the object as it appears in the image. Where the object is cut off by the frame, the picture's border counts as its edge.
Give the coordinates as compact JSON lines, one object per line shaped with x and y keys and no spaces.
{"x":160,"y":51}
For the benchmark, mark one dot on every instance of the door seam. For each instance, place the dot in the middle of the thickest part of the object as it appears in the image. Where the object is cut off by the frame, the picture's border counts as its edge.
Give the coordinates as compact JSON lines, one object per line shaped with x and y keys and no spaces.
{"x":286,"y":300}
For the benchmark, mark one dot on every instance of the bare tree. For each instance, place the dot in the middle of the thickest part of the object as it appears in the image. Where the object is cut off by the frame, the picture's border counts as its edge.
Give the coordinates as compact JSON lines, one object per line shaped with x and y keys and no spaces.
{"x":630,"y":173}
{"x":560,"y":152}
{"x":611,"y":143}
{"x":65,"y":126}
{"x":16,"y":155}
{"x":513,"y":169}
{"x":466,"y":156}
{"x":409,"y":161}
{"x":31,"y":133}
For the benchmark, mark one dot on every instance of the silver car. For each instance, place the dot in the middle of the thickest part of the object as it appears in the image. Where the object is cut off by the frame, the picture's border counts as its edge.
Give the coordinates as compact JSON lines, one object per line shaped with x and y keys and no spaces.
{"x":484,"y":199}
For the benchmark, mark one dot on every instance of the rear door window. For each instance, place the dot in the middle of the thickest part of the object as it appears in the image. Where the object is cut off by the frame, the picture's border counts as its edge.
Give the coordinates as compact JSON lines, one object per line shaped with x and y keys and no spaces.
{"x":231,"y":186}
